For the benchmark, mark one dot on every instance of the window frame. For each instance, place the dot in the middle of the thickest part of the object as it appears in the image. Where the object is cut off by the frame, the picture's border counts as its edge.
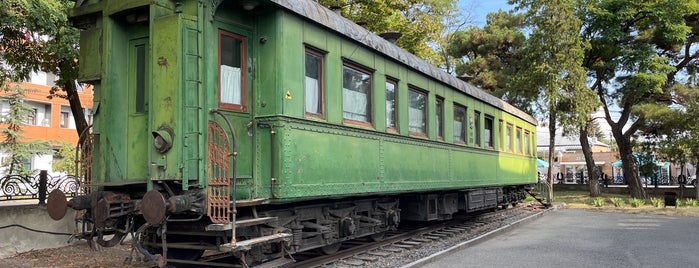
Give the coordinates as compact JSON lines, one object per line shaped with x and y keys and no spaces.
{"x":321,"y":90}
{"x":489,"y":137}
{"x":370,"y":95}
{"x":509,"y":137}
{"x":518,"y":140}
{"x":464,"y":124}
{"x":477,"y":128}
{"x":242,"y":107}
{"x":527,"y":143}
{"x":394,"y":82}
{"x":439,"y":117}
{"x":424,"y":93}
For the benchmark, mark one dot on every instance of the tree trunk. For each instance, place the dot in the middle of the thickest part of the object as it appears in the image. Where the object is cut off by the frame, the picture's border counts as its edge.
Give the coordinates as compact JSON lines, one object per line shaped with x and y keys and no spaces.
{"x":552,"y":141}
{"x":628,"y":165}
{"x":592,"y":171}
{"x":68,"y":85}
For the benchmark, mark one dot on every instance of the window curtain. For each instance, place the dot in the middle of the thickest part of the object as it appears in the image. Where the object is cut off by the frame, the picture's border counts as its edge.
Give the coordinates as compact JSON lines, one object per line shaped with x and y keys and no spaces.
{"x":354,"y":105}
{"x":458,"y":131}
{"x":416,"y":120}
{"x":312,"y":95}
{"x":231,"y":81}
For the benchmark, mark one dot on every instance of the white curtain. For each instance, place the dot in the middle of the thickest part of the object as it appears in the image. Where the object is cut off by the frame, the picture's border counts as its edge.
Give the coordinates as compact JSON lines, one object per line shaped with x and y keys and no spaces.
{"x":312,"y":95}
{"x":354,"y":105}
{"x":458,"y":131}
{"x":231,"y":81}
{"x":390,"y":114}
{"x":417,"y":119}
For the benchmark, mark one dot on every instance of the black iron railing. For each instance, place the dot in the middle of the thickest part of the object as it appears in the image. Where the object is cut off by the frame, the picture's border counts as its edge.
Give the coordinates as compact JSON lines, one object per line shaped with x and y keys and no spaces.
{"x":14,"y":187}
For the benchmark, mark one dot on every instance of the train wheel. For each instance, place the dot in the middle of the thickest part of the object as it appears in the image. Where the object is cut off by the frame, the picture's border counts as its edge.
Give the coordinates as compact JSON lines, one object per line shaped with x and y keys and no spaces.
{"x":331,"y":249}
{"x":377,"y":236}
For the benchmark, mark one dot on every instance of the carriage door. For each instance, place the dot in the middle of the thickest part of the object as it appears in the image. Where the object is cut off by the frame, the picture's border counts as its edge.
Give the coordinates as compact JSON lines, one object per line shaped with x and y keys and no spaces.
{"x":235,"y":94}
{"x":137,"y":126}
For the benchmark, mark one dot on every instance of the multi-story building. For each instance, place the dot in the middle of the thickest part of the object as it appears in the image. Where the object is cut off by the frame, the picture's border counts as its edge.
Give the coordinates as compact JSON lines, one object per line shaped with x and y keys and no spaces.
{"x":50,"y":119}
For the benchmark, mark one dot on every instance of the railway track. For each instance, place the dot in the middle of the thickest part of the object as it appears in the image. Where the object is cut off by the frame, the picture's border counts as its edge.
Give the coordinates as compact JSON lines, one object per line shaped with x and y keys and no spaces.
{"x":415,"y":241}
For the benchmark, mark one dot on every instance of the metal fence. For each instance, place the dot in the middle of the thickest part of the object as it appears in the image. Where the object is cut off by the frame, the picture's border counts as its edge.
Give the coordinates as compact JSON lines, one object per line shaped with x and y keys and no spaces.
{"x":14,"y":187}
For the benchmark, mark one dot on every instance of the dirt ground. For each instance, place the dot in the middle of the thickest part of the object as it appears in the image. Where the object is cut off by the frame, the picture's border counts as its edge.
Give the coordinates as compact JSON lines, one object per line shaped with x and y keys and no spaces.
{"x":78,"y":254}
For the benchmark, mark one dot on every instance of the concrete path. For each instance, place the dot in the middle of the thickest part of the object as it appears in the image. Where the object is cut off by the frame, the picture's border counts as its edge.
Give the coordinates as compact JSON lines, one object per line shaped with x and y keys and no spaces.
{"x":579,"y":238}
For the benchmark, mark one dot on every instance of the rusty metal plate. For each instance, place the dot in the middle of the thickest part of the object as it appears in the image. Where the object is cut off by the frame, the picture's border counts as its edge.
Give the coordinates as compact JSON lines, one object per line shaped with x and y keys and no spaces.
{"x":153,"y":207}
{"x":219,"y":175}
{"x":57,"y":205}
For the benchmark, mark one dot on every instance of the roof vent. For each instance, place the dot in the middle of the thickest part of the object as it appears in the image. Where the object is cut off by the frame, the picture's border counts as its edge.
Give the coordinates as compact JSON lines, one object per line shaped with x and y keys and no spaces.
{"x":391,"y":36}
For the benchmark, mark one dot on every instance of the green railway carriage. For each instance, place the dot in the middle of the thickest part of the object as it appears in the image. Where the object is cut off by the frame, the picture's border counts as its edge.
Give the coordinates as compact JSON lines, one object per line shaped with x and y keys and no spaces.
{"x":276,"y":126}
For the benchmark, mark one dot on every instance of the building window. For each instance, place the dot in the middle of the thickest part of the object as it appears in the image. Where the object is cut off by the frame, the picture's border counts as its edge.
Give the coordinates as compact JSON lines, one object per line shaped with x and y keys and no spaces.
{"x":314,"y":83}
{"x":439,"y":105}
{"x":527,"y":146}
{"x":31,"y":117}
{"x":508,"y":138}
{"x":356,"y":94}
{"x":488,"y":131}
{"x":66,"y":119}
{"x":417,"y":111}
{"x":459,"y":124}
{"x":232,"y":71}
{"x":518,"y":138}
{"x":477,"y":128}
{"x":391,"y":101}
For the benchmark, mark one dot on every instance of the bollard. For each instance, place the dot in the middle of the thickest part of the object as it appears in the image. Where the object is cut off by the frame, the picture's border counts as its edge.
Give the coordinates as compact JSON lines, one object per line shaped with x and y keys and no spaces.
{"x":43,"y":180}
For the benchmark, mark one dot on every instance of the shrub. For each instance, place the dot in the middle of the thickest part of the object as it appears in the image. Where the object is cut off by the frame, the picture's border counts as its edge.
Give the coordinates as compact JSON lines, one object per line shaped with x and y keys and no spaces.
{"x":691,"y":202}
{"x":598,"y":202}
{"x":635,"y":202}
{"x":657,"y":202}
{"x":618,"y":202}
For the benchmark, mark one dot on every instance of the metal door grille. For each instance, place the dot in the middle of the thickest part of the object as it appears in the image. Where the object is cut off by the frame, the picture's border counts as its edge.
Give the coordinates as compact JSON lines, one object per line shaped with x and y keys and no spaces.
{"x":219,"y":175}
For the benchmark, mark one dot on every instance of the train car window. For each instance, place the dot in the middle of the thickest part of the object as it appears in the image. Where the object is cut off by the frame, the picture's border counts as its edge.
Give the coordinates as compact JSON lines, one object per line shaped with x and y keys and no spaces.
{"x":356,"y":94}
{"x":315,"y":92}
{"x":508,"y":138}
{"x":417,"y":112}
{"x":391,"y":102}
{"x":488,"y":131}
{"x":141,"y":79}
{"x":477,"y":128}
{"x":527,"y":146}
{"x":502,"y":142}
{"x":232,"y":82}
{"x":459,"y":124}
{"x":439,"y":105}
{"x":518,"y":137}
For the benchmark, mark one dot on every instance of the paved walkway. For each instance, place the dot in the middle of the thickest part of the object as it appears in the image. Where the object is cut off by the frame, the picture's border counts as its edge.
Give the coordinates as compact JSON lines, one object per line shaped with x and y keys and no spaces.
{"x":579,"y":238}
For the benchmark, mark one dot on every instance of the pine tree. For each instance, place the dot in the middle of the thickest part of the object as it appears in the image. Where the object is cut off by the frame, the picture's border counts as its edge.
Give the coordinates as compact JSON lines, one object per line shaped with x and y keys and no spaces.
{"x":13,"y":144}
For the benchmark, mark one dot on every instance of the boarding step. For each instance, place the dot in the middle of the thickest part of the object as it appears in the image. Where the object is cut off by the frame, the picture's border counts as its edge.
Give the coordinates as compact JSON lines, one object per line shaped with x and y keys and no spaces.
{"x":246,"y":245}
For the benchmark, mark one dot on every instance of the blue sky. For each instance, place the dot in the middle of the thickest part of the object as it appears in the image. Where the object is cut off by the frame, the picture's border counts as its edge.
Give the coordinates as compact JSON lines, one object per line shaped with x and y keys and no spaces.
{"x":478,"y":9}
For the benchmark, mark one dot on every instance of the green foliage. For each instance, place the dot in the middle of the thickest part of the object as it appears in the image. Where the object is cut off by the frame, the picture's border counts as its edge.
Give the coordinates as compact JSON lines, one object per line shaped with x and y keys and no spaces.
{"x":14,"y":144}
{"x":657,"y":202}
{"x":35,"y":35}
{"x":64,"y":159}
{"x":598,"y":202}
{"x":617,"y":202}
{"x":636,"y":202}
{"x":491,"y":57}
{"x":637,"y":49}
{"x":420,"y":22}
{"x":687,"y":202}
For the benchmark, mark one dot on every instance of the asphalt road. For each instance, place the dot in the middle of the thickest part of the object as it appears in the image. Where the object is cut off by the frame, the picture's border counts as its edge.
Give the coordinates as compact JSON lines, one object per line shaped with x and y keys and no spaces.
{"x":580,"y":238}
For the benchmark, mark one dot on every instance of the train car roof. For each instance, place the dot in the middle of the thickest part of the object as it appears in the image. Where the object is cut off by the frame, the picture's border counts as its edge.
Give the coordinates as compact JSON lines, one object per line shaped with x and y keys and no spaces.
{"x":314,"y":11}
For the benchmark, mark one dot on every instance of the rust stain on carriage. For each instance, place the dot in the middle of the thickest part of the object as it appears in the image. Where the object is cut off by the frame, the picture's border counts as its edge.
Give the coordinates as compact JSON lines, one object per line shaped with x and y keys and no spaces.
{"x":219,"y":169}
